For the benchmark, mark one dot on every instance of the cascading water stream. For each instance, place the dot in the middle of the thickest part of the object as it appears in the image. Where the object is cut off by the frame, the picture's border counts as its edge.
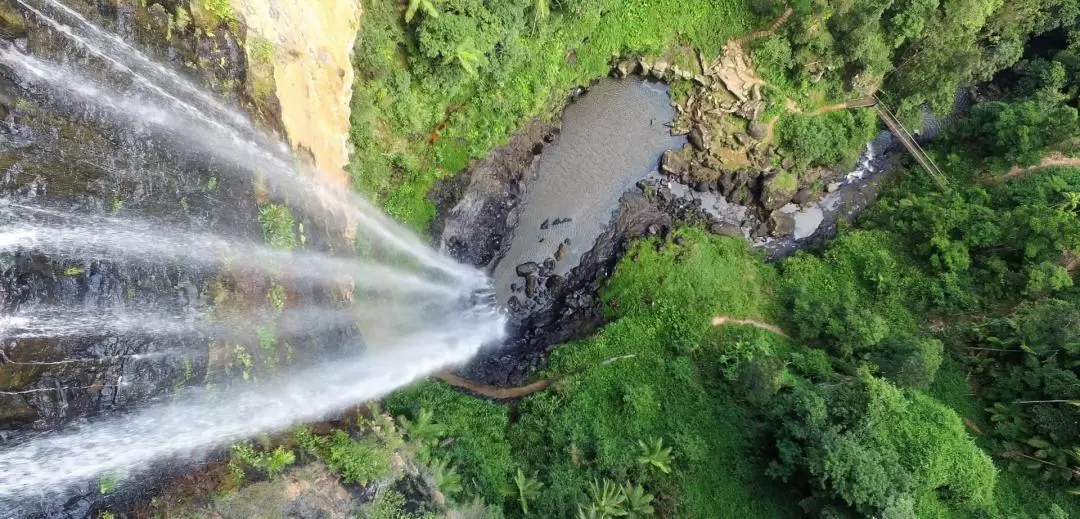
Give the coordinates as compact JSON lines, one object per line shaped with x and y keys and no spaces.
{"x":416,"y":310}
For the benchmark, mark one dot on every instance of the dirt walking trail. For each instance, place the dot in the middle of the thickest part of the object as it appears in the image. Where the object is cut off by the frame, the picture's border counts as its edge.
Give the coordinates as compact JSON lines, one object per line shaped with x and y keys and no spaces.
{"x":721,"y":320}
{"x":1052,"y":161}
{"x":493,"y":392}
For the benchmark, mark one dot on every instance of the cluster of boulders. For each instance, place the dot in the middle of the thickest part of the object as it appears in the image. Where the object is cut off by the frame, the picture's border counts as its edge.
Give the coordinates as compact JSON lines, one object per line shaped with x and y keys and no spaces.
{"x":730,"y":148}
{"x":539,"y":282}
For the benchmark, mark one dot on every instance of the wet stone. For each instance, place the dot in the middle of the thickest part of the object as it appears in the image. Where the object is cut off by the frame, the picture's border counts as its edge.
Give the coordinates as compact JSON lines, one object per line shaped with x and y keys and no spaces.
{"x":550,"y":262}
{"x":532,"y":285}
{"x":555,"y":284}
{"x":544,"y":226}
{"x":560,"y":253}
{"x":527,"y":269}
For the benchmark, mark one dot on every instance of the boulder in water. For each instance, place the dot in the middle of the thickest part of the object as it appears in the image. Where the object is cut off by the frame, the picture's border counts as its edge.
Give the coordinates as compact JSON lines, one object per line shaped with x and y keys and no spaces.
{"x":532,"y":285}
{"x":527,"y":269}
{"x":781,"y":224}
{"x":560,"y":253}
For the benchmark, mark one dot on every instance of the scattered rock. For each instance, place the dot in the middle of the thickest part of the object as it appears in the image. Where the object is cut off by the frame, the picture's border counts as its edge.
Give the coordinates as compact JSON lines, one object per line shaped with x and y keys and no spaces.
{"x":787,"y":163}
{"x":514,"y":287}
{"x":781,"y":224}
{"x":777,"y":190}
{"x":742,"y":139}
{"x":532,"y":285}
{"x":566,"y":241}
{"x":527,"y":269}
{"x":544,"y":226}
{"x":757,"y":130}
{"x":761,"y":231}
{"x":832,"y":187}
{"x":550,"y":262}
{"x":654,"y":230}
{"x":514,"y":304}
{"x":679,"y":240}
{"x":560,"y":253}
{"x":560,"y":221}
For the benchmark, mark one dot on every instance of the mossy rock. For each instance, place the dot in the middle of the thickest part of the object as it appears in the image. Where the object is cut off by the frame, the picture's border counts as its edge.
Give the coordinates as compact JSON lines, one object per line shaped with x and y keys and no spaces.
{"x":778,"y":190}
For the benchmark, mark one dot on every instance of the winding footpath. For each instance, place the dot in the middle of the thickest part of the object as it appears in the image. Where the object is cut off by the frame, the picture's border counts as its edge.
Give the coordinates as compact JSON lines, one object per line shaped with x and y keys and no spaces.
{"x":722,"y":320}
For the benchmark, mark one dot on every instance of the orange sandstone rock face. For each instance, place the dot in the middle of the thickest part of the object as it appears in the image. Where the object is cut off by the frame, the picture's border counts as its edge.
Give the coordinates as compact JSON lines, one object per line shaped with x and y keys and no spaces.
{"x":310,"y":44}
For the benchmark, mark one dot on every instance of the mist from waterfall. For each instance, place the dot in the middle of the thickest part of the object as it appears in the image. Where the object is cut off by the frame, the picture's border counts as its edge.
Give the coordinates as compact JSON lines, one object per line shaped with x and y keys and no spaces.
{"x":416,"y":310}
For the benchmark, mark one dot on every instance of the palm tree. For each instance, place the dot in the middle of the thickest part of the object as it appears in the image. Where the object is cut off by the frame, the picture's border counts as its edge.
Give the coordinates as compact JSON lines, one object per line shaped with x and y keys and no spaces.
{"x":524,"y":489}
{"x":428,"y":6}
{"x":607,"y":498}
{"x":423,"y":431}
{"x":446,"y":477}
{"x":638,"y":502}
{"x":654,"y":453}
{"x":468,"y":56}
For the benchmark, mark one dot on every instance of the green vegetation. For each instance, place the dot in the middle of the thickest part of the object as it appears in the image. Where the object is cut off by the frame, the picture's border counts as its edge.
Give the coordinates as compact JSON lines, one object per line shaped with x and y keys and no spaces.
{"x":277,"y":225}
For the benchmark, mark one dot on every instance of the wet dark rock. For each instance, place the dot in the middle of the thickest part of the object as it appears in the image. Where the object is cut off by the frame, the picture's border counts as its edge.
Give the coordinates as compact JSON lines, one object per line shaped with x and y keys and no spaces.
{"x":513,"y":304}
{"x":514,"y":287}
{"x":560,"y":221}
{"x":697,"y":138}
{"x":527,"y":269}
{"x":757,"y":130}
{"x":679,"y":240}
{"x":665,"y":194}
{"x":701,"y":187}
{"x":566,"y":241}
{"x":550,"y":262}
{"x":804,"y":196}
{"x":532,"y":285}
{"x":555,"y":284}
{"x":544,"y":226}
{"x":560,"y":253}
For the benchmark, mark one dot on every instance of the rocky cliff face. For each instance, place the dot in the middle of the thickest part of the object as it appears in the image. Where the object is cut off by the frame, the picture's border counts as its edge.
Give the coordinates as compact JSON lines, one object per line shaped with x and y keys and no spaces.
{"x":308,"y":44}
